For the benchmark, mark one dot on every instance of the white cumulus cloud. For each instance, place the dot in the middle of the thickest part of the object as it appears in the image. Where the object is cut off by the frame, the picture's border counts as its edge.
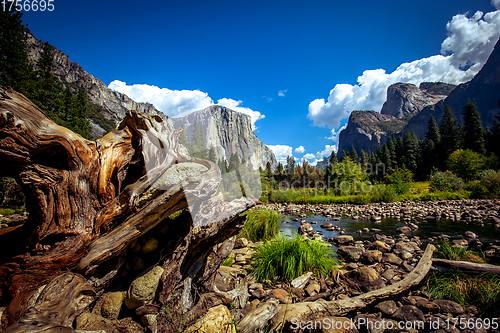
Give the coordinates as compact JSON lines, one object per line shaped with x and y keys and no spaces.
{"x":179,"y":103}
{"x":326,"y":152}
{"x":463,"y":53}
{"x":300,"y":150}
{"x":309,"y":156}
{"x":282,"y":93}
{"x":281,"y":152}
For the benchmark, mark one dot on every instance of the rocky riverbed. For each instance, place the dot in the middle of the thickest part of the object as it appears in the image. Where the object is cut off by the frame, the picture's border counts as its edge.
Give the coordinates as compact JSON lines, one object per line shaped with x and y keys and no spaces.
{"x":376,"y":261}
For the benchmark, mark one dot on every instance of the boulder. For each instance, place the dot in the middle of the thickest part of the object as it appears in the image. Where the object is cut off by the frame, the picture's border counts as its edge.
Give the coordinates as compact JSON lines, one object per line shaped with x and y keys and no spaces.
{"x":327,"y":225}
{"x":305,"y":228}
{"x":226,"y":277}
{"x":449,"y":306}
{"x":367,"y":278}
{"x":371,"y":257}
{"x":380,"y":246}
{"x":350,"y":253}
{"x":387,"y":307}
{"x":343,"y":239}
{"x":409,"y":313}
{"x":112,"y":304}
{"x":312,"y":289}
{"x":217,"y":319}
{"x":143,"y":289}
{"x":392,"y":259}
{"x":281,"y":295}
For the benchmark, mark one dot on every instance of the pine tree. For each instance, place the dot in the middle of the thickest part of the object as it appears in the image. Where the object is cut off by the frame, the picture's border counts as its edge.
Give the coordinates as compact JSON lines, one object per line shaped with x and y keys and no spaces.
{"x":410,"y":157}
{"x":333,"y":159}
{"x":449,"y":136}
{"x":183,"y":139}
{"x":15,"y":68}
{"x":495,"y":135}
{"x":343,"y":155}
{"x":433,"y":131}
{"x":391,"y":146}
{"x":364,"y":159}
{"x":472,"y":132}
{"x":354,"y":155}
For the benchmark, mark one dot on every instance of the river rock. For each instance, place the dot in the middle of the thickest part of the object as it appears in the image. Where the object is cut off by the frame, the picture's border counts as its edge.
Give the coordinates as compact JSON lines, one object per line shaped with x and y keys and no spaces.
{"x":281,"y":295}
{"x":387,"y":307}
{"x":305,"y":228}
{"x":427,"y":307}
{"x":404,"y":230}
{"x":312,"y":288}
{"x":367,"y":278}
{"x":344,"y":239}
{"x":112,"y":304}
{"x":409,"y":313}
{"x":327,"y":225}
{"x":449,"y":306}
{"x":226,"y":277}
{"x":388,"y":274}
{"x":470,"y":234}
{"x":241,"y":243}
{"x":392,"y":259}
{"x":370,"y":257}
{"x":301,"y":281}
{"x":150,"y":245}
{"x":380,"y":246}
{"x":350,"y":253}
{"x":143,"y":289}
{"x":216,"y":320}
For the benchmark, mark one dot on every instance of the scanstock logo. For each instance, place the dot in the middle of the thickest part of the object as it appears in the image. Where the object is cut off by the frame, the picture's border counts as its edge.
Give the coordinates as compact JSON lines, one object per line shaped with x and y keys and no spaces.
{"x":192,"y":160}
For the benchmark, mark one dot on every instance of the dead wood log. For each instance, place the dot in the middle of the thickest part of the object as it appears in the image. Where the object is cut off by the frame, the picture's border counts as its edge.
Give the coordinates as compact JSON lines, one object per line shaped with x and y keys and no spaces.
{"x":258,"y":318}
{"x":311,"y":310}
{"x":89,"y":200}
{"x":59,"y":303}
{"x":466,"y":266}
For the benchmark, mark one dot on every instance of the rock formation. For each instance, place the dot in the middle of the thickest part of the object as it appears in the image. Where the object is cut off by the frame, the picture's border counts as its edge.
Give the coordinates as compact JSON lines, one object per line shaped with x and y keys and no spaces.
{"x":406,"y":99}
{"x":367,"y":129}
{"x":229,"y":132}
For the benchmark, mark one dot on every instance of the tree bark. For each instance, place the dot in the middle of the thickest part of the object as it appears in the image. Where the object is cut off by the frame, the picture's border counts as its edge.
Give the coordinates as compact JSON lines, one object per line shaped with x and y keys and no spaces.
{"x":88,"y":201}
{"x":466,"y":266}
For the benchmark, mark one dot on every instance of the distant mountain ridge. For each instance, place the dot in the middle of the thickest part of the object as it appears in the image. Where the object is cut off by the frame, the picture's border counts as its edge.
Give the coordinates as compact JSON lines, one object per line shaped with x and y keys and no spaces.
{"x":409,"y":107}
{"x":229,"y":131}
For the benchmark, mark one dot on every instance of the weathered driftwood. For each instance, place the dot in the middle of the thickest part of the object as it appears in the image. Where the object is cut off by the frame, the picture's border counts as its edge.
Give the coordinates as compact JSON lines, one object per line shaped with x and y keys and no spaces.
{"x":311,"y":310}
{"x":59,"y":303}
{"x":324,"y":294}
{"x":258,"y":318}
{"x":89,"y":200}
{"x":466,"y":266}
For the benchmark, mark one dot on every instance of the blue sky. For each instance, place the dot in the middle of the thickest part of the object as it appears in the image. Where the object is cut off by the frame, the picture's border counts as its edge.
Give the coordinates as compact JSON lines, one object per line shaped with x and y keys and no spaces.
{"x":297,"y":67}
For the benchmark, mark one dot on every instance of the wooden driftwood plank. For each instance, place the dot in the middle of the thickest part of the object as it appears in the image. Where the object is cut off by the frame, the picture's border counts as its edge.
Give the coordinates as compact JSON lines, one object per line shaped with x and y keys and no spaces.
{"x":466,"y":266}
{"x":258,"y":318}
{"x":310,"y":310}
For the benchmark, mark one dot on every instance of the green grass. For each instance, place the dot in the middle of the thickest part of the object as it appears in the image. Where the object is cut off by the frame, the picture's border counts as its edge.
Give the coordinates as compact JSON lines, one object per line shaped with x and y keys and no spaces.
{"x":482,"y":291}
{"x":7,"y":211}
{"x":261,"y":225}
{"x":450,"y":252}
{"x":379,"y":193}
{"x":288,"y":258}
{"x":228,"y":261}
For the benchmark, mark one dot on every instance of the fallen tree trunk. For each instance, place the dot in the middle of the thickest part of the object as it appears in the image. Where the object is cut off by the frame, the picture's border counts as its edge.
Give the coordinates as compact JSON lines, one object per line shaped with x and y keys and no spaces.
{"x":466,"y":266}
{"x":311,"y":310}
{"x":89,"y":202}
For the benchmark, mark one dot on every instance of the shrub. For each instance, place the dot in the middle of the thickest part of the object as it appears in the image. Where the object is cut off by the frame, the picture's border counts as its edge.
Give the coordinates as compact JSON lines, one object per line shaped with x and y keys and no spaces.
{"x":445,"y":181}
{"x":466,"y":164}
{"x":477,"y":189}
{"x":490,"y":179}
{"x":288,"y":258}
{"x":400,"y":180}
{"x":261,"y":224}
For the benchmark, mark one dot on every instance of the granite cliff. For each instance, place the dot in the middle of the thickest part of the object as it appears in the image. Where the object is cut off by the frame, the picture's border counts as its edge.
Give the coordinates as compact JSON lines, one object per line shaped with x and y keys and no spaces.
{"x":229,"y":132}
{"x":367,"y":129}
